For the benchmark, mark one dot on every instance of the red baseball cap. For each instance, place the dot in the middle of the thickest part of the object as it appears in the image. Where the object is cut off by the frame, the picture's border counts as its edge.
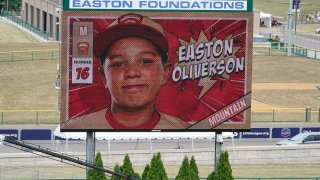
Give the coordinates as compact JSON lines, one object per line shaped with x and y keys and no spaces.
{"x":130,"y":25}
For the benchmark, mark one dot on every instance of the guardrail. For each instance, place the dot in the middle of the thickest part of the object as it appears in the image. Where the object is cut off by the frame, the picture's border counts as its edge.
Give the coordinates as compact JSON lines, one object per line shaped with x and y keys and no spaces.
{"x":29,"y":55}
{"x":258,"y":115}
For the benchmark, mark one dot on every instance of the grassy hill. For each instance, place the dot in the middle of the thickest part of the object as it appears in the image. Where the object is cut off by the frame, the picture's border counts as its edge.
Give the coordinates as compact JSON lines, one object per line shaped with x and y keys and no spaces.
{"x":14,"y":39}
{"x":281,"y":7}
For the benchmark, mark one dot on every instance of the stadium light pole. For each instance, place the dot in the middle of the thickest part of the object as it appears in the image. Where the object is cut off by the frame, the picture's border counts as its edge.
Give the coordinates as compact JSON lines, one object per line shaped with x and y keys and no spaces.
{"x":290,"y":28}
{"x":58,"y":78}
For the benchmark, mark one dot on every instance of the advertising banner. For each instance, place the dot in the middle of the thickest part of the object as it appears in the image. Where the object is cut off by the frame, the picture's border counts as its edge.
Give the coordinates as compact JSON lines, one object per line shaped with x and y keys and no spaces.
{"x":257,"y":133}
{"x":35,"y":134}
{"x":285,"y":132}
{"x":161,"y":5}
{"x":142,"y":71}
{"x":310,"y":129}
{"x":12,"y":134}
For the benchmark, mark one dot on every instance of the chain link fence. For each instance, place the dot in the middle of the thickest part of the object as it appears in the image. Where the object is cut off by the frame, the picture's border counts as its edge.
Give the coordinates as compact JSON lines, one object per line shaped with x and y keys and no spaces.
{"x":258,"y":115}
{"x":281,"y":49}
{"x":29,"y":55}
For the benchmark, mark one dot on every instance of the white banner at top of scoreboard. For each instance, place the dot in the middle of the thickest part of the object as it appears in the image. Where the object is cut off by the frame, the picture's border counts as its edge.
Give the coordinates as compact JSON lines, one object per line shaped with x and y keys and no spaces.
{"x":161,"y":5}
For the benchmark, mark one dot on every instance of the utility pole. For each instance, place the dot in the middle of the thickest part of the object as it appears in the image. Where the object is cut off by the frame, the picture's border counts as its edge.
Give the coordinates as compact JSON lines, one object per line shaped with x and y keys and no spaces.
{"x":7,"y":7}
{"x":290,"y":29}
{"x":296,"y":16}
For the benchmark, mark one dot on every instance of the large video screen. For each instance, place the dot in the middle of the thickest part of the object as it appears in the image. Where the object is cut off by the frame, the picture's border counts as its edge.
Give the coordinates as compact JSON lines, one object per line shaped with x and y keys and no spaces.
{"x":154,"y":71}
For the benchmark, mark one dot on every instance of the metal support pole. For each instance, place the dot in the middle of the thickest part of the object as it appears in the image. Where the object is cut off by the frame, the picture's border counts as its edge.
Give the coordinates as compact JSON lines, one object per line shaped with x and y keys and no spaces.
{"x":59,"y":54}
{"x":2,"y":116}
{"x":150,"y":146}
{"x":192,"y":146}
{"x":290,"y":29}
{"x":109,"y":151}
{"x":37,"y":118}
{"x":308,"y":114}
{"x":273,"y":115}
{"x":90,"y":148}
{"x":318,"y":116}
{"x":295,"y":17}
{"x":218,"y":141}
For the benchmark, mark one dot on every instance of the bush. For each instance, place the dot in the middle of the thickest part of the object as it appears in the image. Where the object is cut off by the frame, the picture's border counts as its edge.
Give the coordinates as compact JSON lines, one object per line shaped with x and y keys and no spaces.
{"x":224,"y":170}
{"x":94,"y":174}
{"x":194,"y":169}
{"x":188,"y":171}
{"x":125,"y":169}
{"x":184,"y":173}
{"x":116,"y":169}
{"x":211,"y":176}
{"x":157,"y":170}
{"x":145,"y":172}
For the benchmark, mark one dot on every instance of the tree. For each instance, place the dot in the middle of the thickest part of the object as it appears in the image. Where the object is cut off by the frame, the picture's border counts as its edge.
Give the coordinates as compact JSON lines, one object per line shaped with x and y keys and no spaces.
{"x":14,"y":5}
{"x":94,"y":174}
{"x":211,"y":176}
{"x":116,"y":169}
{"x":194,"y":169}
{"x":145,"y":172}
{"x":184,"y":171}
{"x":157,"y":170}
{"x":224,"y":170}
{"x":127,"y":168}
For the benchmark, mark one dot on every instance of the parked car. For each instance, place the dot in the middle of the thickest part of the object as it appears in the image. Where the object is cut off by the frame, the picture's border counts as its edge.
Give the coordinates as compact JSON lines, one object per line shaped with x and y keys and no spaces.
{"x":318,"y":31}
{"x":302,"y":138}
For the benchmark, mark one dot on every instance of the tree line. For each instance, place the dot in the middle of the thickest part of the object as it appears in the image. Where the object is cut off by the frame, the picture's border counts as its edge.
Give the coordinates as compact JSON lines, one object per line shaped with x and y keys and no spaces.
{"x":14,"y":5}
{"x":155,"y":169}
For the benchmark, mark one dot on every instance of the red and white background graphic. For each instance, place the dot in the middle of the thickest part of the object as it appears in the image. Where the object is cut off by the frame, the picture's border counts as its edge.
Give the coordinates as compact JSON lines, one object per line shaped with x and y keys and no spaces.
{"x":210,"y":82}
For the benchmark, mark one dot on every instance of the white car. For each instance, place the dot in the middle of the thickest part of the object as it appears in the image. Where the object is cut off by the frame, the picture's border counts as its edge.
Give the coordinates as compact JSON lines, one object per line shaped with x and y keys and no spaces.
{"x":318,"y":31}
{"x":302,"y":138}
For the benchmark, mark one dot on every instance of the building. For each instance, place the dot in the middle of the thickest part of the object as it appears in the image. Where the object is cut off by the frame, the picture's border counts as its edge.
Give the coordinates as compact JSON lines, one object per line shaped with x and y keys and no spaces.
{"x":42,"y":15}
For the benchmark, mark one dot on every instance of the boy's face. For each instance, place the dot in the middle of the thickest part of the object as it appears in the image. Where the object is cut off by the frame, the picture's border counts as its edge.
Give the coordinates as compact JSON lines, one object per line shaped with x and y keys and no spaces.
{"x":134,"y":72}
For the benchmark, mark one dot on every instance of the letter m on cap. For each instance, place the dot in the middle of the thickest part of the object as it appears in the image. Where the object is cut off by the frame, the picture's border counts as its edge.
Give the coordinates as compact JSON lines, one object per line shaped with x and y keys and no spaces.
{"x":83,"y":31}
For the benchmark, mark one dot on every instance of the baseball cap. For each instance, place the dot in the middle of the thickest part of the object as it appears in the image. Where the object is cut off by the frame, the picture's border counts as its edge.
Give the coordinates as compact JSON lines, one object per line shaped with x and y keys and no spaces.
{"x":130,"y":25}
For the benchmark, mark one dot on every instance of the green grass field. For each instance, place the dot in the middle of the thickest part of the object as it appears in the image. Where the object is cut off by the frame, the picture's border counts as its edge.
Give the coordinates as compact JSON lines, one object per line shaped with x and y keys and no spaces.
{"x":283,"y":69}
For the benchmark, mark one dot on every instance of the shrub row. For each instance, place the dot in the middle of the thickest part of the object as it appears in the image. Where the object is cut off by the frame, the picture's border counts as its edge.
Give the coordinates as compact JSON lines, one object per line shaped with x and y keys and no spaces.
{"x":156,"y":171}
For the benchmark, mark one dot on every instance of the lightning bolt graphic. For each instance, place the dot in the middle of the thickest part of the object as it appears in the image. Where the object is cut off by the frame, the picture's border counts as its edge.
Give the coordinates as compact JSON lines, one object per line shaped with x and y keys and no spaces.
{"x":207,"y":82}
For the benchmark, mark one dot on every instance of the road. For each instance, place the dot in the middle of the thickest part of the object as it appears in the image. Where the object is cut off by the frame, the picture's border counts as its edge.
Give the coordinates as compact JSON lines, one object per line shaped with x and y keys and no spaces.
{"x":309,"y":40}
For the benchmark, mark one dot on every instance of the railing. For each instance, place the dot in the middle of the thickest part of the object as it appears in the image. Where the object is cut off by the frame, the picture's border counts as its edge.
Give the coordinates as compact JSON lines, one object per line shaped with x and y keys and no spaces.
{"x":43,"y":34}
{"x":29,"y":55}
{"x":29,"y":117}
{"x":257,"y":115}
{"x":281,"y":49}
{"x":285,"y":115}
